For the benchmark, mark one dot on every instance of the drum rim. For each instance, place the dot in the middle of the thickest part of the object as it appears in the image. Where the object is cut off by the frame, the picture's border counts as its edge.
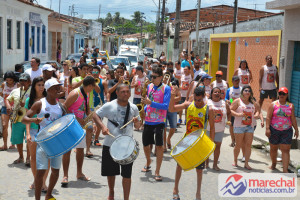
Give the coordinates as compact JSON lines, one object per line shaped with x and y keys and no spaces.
{"x":46,"y":139}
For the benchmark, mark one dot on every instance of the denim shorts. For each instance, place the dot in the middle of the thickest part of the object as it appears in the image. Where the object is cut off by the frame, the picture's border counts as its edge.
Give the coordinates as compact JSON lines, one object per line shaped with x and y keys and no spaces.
{"x":281,"y":137}
{"x":218,"y":136}
{"x":3,"y":110}
{"x":33,"y":133}
{"x":42,"y":160}
{"x":136,"y":100}
{"x":172,"y":118}
{"x":246,"y":129}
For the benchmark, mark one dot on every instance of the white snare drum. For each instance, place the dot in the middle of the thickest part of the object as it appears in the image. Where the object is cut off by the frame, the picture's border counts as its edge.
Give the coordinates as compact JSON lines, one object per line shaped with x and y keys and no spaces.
{"x":124,"y":149}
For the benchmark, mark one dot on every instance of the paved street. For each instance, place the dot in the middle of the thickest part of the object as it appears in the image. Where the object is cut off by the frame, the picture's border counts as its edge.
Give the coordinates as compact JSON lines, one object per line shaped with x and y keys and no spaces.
{"x":16,"y":179}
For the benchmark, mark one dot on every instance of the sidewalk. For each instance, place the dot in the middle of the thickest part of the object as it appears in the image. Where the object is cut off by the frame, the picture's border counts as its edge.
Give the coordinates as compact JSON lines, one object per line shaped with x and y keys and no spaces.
{"x":259,"y":136}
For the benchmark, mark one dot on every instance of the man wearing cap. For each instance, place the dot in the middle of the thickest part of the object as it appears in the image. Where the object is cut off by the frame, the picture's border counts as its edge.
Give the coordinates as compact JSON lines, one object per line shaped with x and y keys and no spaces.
{"x":233,"y":93}
{"x":220,"y":83}
{"x":48,"y":71}
{"x":206,"y":79}
{"x":34,"y":71}
{"x":104,"y":63}
{"x":18,"y":97}
{"x":103,"y":71}
{"x":40,"y":108}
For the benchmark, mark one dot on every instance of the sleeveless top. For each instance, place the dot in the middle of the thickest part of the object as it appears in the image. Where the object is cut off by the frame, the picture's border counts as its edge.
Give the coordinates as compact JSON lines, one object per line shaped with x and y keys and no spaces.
{"x":154,"y":114}
{"x":222,"y":86}
{"x":78,"y":107}
{"x":220,"y":111}
{"x":185,"y":83}
{"x":281,"y":118}
{"x":55,"y":112}
{"x":268,"y":80}
{"x":195,"y":118}
{"x":6,"y":91}
{"x":101,"y":94}
{"x":178,"y":73}
{"x":138,"y":89}
{"x":234,"y":93}
{"x":247,"y":119}
{"x":244,"y":76}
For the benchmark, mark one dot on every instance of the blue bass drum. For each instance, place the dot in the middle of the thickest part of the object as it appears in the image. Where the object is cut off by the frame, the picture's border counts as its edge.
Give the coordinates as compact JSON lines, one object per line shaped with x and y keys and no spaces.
{"x":60,"y":136}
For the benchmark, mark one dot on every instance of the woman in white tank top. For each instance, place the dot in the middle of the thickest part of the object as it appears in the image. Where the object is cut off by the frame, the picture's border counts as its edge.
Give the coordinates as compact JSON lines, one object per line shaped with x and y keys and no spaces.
{"x":220,"y":109}
{"x":244,"y":73}
{"x":6,"y":88}
{"x":244,"y":109}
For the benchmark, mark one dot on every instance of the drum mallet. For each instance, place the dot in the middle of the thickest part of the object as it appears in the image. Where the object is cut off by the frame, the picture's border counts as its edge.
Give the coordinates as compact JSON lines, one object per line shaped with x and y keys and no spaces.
{"x":128,"y":123}
{"x":47,"y":115}
{"x":111,"y":135}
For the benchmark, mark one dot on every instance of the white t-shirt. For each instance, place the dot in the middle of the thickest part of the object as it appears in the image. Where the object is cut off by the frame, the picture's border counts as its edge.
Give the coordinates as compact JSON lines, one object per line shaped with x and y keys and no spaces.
{"x":178,"y":73}
{"x":34,"y":74}
{"x":222,"y":86}
{"x":185,"y":84}
{"x":220,"y":111}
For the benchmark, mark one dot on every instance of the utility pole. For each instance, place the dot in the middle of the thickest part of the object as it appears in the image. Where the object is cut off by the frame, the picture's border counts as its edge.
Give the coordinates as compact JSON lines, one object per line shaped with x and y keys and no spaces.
{"x":162,"y":23}
{"x":157,"y":24}
{"x":197,"y":27}
{"x":59,"y":8}
{"x":235,"y":15}
{"x":177,"y":30}
{"x":99,"y":11}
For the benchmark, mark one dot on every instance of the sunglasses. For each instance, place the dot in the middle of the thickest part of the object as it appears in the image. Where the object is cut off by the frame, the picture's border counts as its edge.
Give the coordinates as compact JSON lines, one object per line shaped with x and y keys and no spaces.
{"x":64,"y":64}
{"x":218,"y":76}
{"x":153,"y":76}
{"x":95,"y":72}
{"x":247,"y":90}
{"x":282,"y":94}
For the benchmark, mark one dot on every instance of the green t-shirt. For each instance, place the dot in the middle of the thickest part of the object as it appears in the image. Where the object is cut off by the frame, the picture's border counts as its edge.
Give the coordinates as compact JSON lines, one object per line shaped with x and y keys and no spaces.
{"x":91,"y":95}
{"x":32,"y":125}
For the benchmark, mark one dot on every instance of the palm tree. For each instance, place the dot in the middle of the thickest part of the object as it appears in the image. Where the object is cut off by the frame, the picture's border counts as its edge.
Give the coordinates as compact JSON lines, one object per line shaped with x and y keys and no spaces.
{"x":117,"y":19}
{"x":136,"y":16}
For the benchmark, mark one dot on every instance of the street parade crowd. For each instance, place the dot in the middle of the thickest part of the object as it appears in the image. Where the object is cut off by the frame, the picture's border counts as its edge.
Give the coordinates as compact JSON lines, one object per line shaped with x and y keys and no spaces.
{"x":179,"y":93}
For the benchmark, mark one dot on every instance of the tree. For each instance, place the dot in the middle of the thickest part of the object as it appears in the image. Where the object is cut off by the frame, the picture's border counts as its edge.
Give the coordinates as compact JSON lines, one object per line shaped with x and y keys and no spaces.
{"x":108,"y":19}
{"x":136,"y":16}
{"x":117,"y":19}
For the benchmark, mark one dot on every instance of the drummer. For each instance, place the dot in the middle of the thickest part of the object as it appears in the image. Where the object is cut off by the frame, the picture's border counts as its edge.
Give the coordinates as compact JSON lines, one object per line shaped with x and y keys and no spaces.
{"x":198,"y":115}
{"x":77,"y":103}
{"x":45,"y":105}
{"x":116,"y":112}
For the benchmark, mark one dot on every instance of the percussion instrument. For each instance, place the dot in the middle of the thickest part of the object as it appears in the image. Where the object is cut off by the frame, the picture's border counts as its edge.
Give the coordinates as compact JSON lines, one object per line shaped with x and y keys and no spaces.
{"x":124,"y":149}
{"x":193,"y":149}
{"x":60,"y":136}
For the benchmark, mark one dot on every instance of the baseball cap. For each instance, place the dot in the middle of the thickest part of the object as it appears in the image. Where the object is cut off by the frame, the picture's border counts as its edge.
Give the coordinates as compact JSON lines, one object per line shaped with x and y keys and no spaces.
{"x":219,"y":73}
{"x":235,"y":78}
{"x":24,"y":77}
{"x":99,"y":62}
{"x":202,"y":73}
{"x":283,"y":89}
{"x":48,"y":67}
{"x":96,"y":48}
{"x":205,"y":76}
{"x":51,"y":82}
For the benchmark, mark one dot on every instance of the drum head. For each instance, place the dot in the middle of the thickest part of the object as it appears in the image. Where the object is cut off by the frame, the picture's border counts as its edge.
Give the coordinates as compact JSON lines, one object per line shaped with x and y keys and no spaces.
{"x":187,"y":141}
{"x":122,"y":147}
{"x":54,"y":127}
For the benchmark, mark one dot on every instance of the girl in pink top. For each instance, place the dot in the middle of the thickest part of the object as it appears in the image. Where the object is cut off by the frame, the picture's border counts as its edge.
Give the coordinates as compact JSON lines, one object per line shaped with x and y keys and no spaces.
{"x":279,"y":122}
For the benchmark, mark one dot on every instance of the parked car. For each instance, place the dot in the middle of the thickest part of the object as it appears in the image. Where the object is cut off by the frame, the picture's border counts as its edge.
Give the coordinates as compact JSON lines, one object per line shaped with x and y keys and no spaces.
{"x":148,"y":52}
{"x":115,"y":60}
{"x":75,"y":56}
{"x":27,"y":65}
{"x":133,"y":58}
{"x":108,"y":62}
{"x":141,"y":57}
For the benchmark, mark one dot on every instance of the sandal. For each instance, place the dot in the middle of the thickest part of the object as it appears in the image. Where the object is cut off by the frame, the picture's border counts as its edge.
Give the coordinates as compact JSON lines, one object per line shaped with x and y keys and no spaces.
{"x":27,"y":163}
{"x":64,"y":182}
{"x":176,"y":197}
{"x":83,"y":178}
{"x":12,"y":147}
{"x":232,"y":144}
{"x":89,"y":155}
{"x":97,"y":143}
{"x":146,"y":169}
{"x":169,"y":146}
{"x":32,"y":186}
{"x":18,"y":161}
{"x":44,"y":190}
{"x":158,"y":178}
{"x":3,"y":149}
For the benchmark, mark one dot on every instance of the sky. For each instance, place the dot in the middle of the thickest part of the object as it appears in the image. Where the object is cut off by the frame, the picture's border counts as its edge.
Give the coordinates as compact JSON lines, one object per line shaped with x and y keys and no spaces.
{"x":89,"y":9}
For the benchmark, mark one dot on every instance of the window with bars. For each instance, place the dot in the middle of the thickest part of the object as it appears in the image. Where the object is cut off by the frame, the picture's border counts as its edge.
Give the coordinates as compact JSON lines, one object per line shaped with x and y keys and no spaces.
{"x":9,"y":34}
{"x":18,"y":35}
{"x":43,"y":39}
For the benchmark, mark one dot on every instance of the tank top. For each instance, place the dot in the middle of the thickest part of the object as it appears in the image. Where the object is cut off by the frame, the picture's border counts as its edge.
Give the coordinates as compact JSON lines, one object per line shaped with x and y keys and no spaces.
{"x":219,"y":109}
{"x":55,"y":112}
{"x":154,"y":114}
{"x":196,"y":118}
{"x":178,"y":73}
{"x":234,"y":93}
{"x":138,"y":89}
{"x":101,"y":94}
{"x":6,"y":91}
{"x":78,"y":107}
{"x":281,"y":118}
{"x":247,"y":119}
{"x":268,"y":80}
{"x":222,"y":86}
{"x":244,"y":76}
{"x":185,"y":84}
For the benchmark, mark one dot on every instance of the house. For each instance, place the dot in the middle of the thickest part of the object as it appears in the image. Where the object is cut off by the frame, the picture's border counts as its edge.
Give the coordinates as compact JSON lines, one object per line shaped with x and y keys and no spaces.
{"x":23,"y":33}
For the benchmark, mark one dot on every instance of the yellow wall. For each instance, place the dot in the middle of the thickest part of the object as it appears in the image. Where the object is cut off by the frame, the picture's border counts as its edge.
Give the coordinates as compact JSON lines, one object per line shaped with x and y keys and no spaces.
{"x":214,"y":58}
{"x":230,"y":69}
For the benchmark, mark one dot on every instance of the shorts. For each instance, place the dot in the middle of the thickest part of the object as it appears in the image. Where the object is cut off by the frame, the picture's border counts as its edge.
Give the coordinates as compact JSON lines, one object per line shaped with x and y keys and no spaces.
{"x":33,"y":133}
{"x":82,"y":144}
{"x":232,"y":120}
{"x":172,"y":118}
{"x":281,"y":137}
{"x":4,"y":110}
{"x":18,"y":133}
{"x":42,"y":160}
{"x":136,"y":100}
{"x":182,"y":100}
{"x":246,"y":129}
{"x":201,"y":166}
{"x":150,"y":131}
{"x":264,"y":94}
{"x":110,"y":168}
{"x":218,"y":136}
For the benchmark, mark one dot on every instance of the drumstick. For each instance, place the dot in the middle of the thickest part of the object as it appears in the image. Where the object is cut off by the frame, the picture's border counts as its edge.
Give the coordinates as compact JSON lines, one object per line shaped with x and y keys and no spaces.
{"x":127,"y":123}
{"x":111,"y":135}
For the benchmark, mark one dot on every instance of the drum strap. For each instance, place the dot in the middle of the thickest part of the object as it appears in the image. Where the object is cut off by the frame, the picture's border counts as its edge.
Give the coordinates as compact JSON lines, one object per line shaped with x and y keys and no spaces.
{"x":206,"y":116}
{"x":127,"y":114}
{"x":85,"y":98}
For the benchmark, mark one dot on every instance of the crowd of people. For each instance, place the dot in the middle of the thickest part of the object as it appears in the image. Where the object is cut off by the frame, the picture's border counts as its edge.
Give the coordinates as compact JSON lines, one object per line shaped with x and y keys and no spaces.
{"x":163,"y":91}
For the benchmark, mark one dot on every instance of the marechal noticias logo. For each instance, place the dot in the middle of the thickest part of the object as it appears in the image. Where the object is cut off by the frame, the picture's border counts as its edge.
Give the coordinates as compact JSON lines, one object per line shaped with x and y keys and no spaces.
{"x":235,"y":185}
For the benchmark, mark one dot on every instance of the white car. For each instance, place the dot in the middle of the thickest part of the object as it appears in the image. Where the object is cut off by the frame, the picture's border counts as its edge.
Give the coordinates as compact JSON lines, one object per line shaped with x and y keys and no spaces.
{"x":115,"y":60}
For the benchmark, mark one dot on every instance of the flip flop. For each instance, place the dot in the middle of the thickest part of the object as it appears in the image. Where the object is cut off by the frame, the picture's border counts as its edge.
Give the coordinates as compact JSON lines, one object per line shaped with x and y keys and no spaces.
{"x":44,"y":190}
{"x":27,"y":163}
{"x":18,"y":161}
{"x":146,"y":169}
{"x":83,"y":178}
{"x":32,"y":186}
{"x":235,"y":166}
{"x":64,"y":182}
{"x":176,"y":197}
{"x":11,"y":147}
{"x":158,"y":178}
{"x":169,"y":146}
{"x":89,"y":155}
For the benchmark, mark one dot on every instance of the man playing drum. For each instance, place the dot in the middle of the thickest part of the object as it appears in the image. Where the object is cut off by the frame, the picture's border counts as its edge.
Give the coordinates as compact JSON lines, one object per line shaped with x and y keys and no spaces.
{"x":116,"y":112}
{"x":46,"y":105}
{"x":78,"y":103}
{"x":198,"y":114}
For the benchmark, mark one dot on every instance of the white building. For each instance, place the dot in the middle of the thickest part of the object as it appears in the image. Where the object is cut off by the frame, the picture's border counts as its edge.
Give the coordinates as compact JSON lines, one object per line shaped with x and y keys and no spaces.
{"x":23,"y":32}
